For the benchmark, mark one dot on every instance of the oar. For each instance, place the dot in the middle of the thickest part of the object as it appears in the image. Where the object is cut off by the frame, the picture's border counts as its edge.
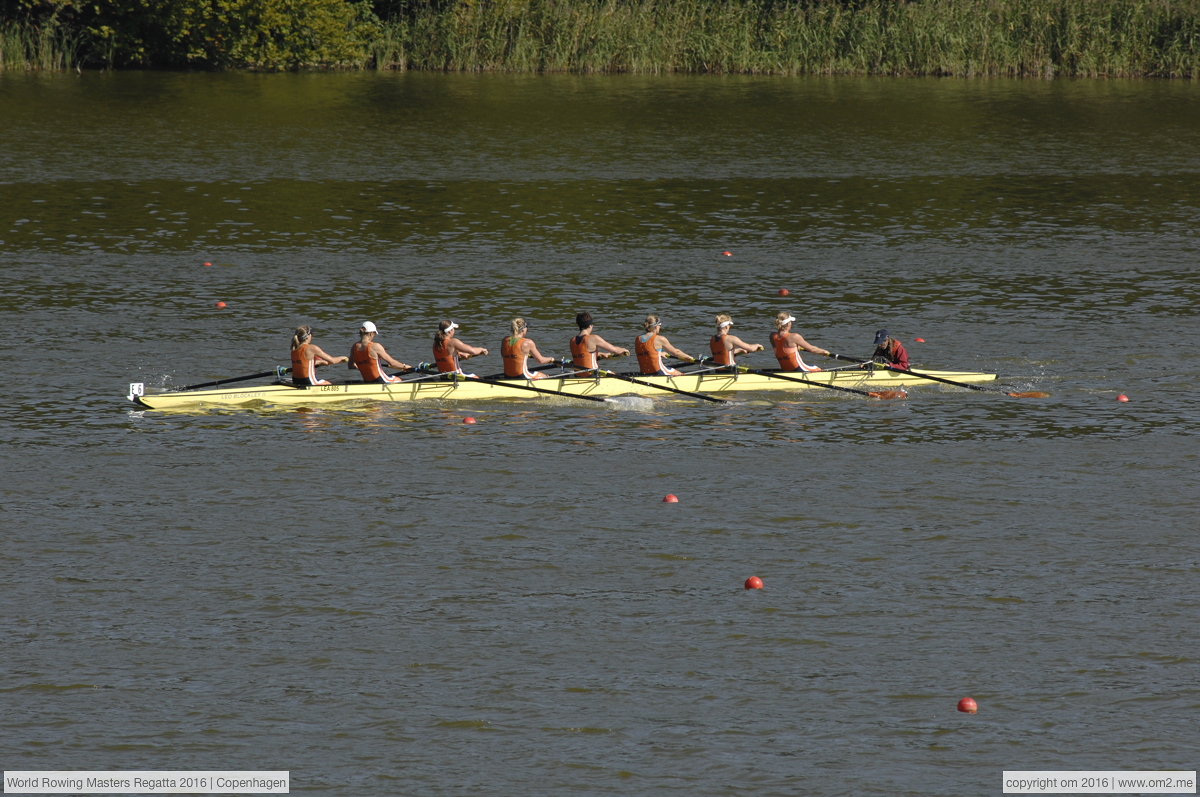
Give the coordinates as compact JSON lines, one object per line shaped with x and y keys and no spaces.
{"x":888,"y":366}
{"x":878,"y":394}
{"x":277,"y":372}
{"x":532,"y":389}
{"x":668,"y":389}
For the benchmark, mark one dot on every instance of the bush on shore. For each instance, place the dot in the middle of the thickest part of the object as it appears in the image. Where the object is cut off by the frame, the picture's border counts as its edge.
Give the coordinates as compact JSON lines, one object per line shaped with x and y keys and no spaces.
{"x":1114,"y":38}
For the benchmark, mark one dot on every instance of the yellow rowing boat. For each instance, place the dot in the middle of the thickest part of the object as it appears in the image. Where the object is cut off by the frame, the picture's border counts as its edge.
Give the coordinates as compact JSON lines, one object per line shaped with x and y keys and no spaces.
{"x":446,"y":388}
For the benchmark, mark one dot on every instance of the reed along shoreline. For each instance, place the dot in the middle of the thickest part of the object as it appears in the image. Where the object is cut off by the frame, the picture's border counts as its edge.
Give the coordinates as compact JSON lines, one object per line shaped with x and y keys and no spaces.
{"x":953,"y":38}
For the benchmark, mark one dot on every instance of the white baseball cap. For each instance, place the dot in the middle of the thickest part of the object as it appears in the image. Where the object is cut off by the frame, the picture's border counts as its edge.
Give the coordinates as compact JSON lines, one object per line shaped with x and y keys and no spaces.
{"x":367,"y":326}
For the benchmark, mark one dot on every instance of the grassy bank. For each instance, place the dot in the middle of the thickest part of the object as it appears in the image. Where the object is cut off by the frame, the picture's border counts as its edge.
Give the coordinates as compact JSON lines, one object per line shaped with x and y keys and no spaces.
{"x":932,"y":37}
{"x":1092,"y":38}
{"x":49,"y":46}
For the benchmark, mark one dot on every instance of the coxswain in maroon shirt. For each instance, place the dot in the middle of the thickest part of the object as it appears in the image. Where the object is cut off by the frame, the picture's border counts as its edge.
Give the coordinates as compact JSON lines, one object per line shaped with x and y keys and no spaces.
{"x":889,"y":350}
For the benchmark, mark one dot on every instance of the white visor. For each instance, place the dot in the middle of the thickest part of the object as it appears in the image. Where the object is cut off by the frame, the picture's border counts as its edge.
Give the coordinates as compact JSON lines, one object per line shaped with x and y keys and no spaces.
{"x":788,"y":320}
{"x":452,"y":326}
{"x":724,"y":324}
{"x":367,"y":326}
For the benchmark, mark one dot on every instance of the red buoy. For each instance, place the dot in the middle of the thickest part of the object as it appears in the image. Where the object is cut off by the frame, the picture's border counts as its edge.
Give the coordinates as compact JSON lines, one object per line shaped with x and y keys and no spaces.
{"x":754,"y":582}
{"x":468,"y":419}
{"x":208,"y":264}
{"x":967,"y":706}
{"x":1122,"y":398}
{"x":783,"y":291}
{"x":918,"y":340}
{"x":727,"y":253}
{"x":670,"y":499}
{"x":220,"y":305}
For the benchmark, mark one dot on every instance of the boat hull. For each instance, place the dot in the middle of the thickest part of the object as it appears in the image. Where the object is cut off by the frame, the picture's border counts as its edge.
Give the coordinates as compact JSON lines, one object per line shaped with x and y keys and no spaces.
{"x":566,"y":387}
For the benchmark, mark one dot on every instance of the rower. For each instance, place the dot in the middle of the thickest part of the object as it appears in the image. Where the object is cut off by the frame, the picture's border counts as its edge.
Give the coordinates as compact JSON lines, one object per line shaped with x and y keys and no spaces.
{"x":516,"y":350}
{"x":586,"y":347}
{"x":306,"y":356}
{"x":649,"y":348}
{"x":787,"y":343}
{"x":448,"y":349}
{"x":366,"y":354}
{"x":889,"y":350}
{"x":725,"y":346}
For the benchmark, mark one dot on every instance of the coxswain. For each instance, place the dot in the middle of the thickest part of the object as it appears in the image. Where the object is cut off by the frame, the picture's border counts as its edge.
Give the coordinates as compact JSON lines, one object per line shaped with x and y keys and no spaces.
{"x":788,"y":343}
{"x":889,"y":351}
{"x":649,"y":348}
{"x":725,"y":347}
{"x":516,"y":350}
{"x":448,"y":349}
{"x":587,"y":348}
{"x":366,"y":354}
{"x":306,"y":356}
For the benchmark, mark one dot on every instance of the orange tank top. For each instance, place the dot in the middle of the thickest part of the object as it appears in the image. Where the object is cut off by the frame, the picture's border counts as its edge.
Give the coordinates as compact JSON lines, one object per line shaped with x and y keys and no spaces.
{"x":721,"y":355}
{"x":649,"y":359}
{"x":366,"y":364}
{"x":514,"y":358}
{"x":580,"y":356}
{"x":301,"y":365}
{"x":788,"y":356}
{"x":447,"y":361}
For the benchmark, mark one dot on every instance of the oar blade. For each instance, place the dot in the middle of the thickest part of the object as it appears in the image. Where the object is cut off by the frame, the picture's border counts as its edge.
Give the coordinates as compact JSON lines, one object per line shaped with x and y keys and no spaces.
{"x":1030,"y":394}
{"x":888,"y":394}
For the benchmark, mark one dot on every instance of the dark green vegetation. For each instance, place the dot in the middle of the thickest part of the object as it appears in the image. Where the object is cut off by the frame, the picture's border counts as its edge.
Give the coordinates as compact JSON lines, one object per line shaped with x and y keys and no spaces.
{"x":878,"y":37}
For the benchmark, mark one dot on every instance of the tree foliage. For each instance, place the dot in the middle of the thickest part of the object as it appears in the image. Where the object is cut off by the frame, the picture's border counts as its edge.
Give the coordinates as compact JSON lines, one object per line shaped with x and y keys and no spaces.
{"x":212,"y":34}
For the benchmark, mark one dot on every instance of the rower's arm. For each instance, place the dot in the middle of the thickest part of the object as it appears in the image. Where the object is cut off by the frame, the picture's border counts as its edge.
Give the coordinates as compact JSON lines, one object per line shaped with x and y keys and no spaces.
{"x":321,"y":358}
{"x":604,"y":345}
{"x":742,"y":347}
{"x":666,"y":344}
{"x":466,"y":351}
{"x":387,"y":358}
{"x":799,"y":340}
{"x":533,"y":352}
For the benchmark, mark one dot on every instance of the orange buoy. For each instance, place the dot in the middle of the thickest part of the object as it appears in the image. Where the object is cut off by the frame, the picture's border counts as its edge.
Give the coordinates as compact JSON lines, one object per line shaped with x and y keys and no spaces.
{"x":1122,"y":398}
{"x":783,"y":291}
{"x":208,"y":264}
{"x":754,"y":582}
{"x":918,"y":340}
{"x":727,"y":253}
{"x":220,"y":305}
{"x":670,"y":499}
{"x":967,"y":705}
{"x":468,"y":419}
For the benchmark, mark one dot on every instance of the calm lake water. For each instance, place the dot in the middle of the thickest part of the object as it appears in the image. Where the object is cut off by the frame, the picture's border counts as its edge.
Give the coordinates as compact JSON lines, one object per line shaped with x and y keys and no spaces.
{"x":384,"y":600}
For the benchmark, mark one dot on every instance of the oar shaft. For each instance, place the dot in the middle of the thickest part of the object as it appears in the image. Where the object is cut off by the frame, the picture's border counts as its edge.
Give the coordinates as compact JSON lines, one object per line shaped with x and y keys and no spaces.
{"x":227,"y":381}
{"x":773,"y":375}
{"x":668,"y":389}
{"x":542,"y":390}
{"x":918,"y":374}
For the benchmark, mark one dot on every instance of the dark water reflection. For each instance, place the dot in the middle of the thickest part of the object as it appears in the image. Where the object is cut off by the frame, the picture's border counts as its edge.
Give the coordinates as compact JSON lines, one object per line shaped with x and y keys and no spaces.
{"x":385,"y":600}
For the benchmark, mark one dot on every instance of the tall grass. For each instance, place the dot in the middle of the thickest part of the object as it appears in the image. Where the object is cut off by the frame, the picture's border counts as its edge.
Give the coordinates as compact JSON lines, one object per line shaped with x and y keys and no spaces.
{"x":876,"y":37}
{"x":48,"y":46}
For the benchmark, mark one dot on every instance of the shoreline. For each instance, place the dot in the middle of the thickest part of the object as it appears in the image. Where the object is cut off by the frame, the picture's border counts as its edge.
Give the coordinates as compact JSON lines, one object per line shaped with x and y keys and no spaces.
{"x":939,"y":38}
